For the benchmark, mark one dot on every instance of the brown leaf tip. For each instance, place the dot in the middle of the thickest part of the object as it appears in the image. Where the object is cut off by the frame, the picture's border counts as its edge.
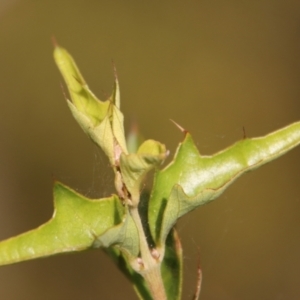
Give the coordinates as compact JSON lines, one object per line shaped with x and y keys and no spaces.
{"x":179,"y":127}
{"x":54,"y":41}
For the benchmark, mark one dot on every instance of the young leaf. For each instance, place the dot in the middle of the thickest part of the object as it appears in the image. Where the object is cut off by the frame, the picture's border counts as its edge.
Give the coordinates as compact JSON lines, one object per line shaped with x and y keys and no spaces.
{"x":135,"y":166}
{"x":78,"y":223}
{"x":102,"y":121}
{"x":191,"y":180}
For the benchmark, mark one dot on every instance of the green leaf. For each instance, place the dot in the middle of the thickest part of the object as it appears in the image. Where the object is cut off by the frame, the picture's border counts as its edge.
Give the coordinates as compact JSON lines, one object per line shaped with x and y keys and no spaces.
{"x":171,"y":267}
{"x":123,"y":236}
{"x":102,"y":121}
{"x":191,"y":180}
{"x":78,"y":223}
{"x":135,"y":166}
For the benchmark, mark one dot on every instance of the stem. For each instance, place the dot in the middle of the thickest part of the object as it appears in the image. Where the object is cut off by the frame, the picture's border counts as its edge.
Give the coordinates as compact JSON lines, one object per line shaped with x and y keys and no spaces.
{"x":155,"y":283}
{"x":150,"y":266}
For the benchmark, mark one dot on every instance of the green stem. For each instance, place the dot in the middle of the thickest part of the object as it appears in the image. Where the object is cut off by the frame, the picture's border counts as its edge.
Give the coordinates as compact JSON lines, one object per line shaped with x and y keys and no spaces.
{"x":149,"y":267}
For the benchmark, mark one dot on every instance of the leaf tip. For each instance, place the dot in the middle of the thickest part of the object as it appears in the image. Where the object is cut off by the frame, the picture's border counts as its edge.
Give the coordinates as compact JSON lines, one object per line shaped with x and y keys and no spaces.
{"x":54,"y":41}
{"x":179,"y":127}
{"x":114,"y":69}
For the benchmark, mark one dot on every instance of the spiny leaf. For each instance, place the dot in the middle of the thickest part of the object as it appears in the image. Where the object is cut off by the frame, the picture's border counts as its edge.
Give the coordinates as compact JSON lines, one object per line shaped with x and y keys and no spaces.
{"x":77,"y":224}
{"x":191,"y":180}
{"x":82,"y":97}
{"x":102,"y":121}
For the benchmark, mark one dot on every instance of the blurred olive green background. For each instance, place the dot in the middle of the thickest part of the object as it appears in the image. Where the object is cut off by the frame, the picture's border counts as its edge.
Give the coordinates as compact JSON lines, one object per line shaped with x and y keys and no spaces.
{"x":214,"y":67}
